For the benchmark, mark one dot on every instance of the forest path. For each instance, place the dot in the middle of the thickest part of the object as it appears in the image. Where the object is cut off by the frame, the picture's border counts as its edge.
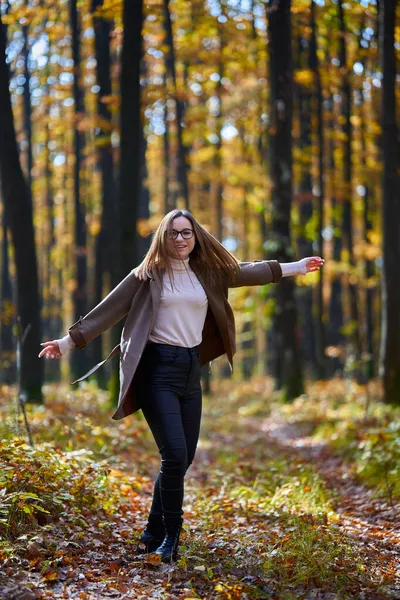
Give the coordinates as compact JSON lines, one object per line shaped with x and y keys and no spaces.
{"x":371,"y":522}
{"x":269,"y":514}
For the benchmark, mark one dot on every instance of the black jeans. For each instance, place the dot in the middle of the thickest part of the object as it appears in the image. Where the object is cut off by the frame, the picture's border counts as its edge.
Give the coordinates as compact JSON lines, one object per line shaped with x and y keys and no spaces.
{"x":171,"y":404}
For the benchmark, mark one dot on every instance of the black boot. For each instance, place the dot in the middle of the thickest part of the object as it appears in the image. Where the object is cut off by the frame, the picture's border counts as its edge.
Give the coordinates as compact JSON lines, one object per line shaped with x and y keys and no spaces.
{"x":169,"y":547}
{"x":152,"y":536}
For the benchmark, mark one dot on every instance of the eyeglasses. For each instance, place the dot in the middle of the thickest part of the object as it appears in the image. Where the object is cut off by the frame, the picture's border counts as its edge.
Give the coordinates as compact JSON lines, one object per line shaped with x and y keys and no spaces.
{"x":186,"y":234}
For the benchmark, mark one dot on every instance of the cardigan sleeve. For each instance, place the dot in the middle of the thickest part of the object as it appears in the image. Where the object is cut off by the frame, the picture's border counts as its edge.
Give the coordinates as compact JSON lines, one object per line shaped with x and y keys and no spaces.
{"x":108,"y":312}
{"x":258,"y":272}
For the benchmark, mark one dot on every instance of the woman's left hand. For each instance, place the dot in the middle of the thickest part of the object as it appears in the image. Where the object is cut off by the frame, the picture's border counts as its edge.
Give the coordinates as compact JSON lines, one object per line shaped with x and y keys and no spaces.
{"x":310,"y":264}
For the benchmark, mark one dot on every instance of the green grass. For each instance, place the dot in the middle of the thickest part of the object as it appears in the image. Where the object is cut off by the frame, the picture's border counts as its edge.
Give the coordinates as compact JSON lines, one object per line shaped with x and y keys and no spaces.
{"x":262,"y":517}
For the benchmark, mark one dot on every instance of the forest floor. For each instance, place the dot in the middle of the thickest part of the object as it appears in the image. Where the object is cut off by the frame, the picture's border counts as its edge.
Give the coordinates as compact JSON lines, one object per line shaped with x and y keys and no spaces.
{"x":282,"y":501}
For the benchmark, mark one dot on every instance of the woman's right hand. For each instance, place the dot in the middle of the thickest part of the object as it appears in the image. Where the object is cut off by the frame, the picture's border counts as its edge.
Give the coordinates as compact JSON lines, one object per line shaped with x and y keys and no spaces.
{"x":50,"y":350}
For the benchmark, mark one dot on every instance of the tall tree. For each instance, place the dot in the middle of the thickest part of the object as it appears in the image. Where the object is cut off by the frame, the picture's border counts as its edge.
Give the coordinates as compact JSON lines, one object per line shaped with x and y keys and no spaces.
{"x":347,"y":219}
{"x":80,"y":292}
{"x":320,"y":333}
{"x":303,"y":100}
{"x":182,"y":170}
{"x":368,"y":217}
{"x":131,"y":138}
{"x":287,"y":369}
{"x":335,"y":336}
{"x":131,"y":145}
{"x":390,"y":339}
{"x":19,"y":212}
{"x":107,"y":242}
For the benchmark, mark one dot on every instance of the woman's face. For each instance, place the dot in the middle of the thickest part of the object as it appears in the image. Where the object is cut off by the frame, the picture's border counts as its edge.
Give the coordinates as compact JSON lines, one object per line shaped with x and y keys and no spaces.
{"x":180,"y":247}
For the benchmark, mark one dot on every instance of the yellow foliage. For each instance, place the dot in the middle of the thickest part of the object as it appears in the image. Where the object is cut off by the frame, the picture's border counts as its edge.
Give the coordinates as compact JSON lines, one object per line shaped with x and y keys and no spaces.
{"x":304,"y":77}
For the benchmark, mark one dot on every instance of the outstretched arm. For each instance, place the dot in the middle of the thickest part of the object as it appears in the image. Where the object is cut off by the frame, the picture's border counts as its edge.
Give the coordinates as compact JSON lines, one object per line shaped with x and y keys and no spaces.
{"x":103,"y":316}
{"x":261,"y":272}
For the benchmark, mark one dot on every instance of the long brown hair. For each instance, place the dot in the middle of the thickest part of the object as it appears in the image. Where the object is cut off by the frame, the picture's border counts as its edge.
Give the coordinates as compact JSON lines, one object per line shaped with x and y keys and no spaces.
{"x":215,"y":262}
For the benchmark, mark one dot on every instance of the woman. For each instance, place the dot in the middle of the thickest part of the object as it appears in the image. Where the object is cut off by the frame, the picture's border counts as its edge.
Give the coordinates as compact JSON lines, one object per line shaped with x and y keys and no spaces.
{"x":178,"y":319}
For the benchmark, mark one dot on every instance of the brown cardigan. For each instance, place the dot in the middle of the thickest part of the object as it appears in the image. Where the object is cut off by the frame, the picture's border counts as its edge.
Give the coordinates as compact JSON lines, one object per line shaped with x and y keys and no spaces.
{"x":140,"y":300}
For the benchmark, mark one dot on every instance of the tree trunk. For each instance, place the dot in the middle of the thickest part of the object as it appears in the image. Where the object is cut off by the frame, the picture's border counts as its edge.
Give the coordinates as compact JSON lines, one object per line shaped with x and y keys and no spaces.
{"x":27,"y":109}
{"x":107,"y":242}
{"x":305,"y":199}
{"x":347,"y":222}
{"x":131,"y":123}
{"x":168,"y":203}
{"x":369,"y":213}
{"x":170,"y":62}
{"x":286,"y":358}
{"x":130,"y":167}
{"x":144,"y":194}
{"x":335,"y":321}
{"x":52,"y":326}
{"x":390,"y":339}
{"x":6,"y":311}
{"x":19,"y":212}
{"x":218,"y":185}
{"x":78,"y":359}
{"x":320,"y":334}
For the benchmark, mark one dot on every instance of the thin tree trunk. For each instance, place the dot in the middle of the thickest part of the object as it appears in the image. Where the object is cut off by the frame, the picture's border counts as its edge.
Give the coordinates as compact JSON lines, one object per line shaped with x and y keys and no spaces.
{"x":347,"y":223}
{"x":287,"y":364}
{"x":218,"y":186}
{"x":369,"y":202}
{"x":7,"y":374}
{"x":168,"y":203}
{"x":131,"y":124}
{"x":171,"y":67}
{"x":27,"y":108}
{"x":53,"y":324}
{"x":261,"y":138}
{"x":305,"y":199}
{"x":390,"y":339}
{"x":320,"y":334}
{"x":144,"y":194}
{"x":335,"y":322}
{"x":107,"y":242}
{"x":78,"y":360}
{"x":130,"y":162}
{"x":19,"y":212}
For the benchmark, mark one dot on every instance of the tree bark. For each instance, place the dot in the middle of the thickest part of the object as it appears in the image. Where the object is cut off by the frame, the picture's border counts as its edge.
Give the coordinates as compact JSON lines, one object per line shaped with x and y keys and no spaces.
{"x":218,"y":185}
{"x":168,"y":200}
{"x":7,"y":374}
{"x":390,"y":339}
{"x":320,"y":333}
{"x":368,"y":321}
{"x":303,"y":100}
{"x":347,"y":222}
{"x":78,"y":360}
{"x":19,"y":212}
{"x":287,"y":369}
{"x":27,"y":109}
{"x":170,"y":62}
{"x":107,"y":242}
{"x":130,"y":167}
{"x":131,"y":123}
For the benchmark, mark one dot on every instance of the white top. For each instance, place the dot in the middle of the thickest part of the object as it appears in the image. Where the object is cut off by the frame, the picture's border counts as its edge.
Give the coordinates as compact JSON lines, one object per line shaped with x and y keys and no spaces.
{"x":181,"y":316}
{"x":183,"y":308}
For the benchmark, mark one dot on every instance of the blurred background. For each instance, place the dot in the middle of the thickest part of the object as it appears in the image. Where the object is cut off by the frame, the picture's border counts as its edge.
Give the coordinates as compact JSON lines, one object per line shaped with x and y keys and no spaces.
{"x":274,"y":123}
